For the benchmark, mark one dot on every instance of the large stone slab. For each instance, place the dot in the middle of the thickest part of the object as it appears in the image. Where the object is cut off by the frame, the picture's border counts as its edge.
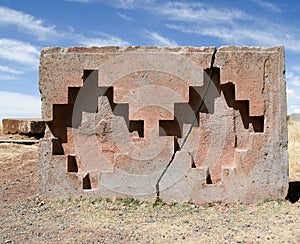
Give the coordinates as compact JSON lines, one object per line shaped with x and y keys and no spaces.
{"x":28,"y":126}
{"x":181,"y":123}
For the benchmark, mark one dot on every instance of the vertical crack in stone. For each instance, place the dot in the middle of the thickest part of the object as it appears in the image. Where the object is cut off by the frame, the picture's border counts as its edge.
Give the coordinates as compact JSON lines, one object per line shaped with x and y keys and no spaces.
{"x":234,"y":129}
{"x":192,"y":125}
{"x":265,"y":81}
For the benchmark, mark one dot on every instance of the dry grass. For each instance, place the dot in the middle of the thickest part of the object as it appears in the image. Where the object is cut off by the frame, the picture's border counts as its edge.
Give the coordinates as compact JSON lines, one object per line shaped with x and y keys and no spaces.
{"x":294,"y":150}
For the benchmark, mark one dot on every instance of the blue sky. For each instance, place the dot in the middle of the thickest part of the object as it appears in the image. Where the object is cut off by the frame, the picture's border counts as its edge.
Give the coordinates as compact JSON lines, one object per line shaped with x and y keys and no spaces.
{"x":28,"y":26}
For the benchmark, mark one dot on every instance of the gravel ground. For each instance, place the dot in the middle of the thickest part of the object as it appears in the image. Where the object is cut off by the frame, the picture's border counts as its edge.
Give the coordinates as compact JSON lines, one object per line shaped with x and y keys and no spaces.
{"x":130,"y":221}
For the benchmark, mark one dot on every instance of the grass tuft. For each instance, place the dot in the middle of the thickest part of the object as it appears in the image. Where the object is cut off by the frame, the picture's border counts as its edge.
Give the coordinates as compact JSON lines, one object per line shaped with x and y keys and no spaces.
{"x":294,"y":150}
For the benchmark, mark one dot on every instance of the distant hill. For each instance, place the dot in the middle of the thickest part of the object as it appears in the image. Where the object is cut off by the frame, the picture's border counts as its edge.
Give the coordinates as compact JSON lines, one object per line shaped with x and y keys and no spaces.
{"x":295,"y":117}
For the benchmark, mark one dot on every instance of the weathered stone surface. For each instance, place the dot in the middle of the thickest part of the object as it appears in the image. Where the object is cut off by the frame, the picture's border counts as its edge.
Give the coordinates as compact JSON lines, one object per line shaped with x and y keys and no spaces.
{"x":23,"y":126}
{"x":180,"y":123}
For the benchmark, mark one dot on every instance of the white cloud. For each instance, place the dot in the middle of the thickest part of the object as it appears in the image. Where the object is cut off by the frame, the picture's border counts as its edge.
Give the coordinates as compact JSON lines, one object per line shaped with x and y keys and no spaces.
{"x":103,"y":40}
{"x":6,"y":69}
{"x":243,"y":34}
{"x":213,"y":31}
{"x":159,"y":40}
{"x":294,"y":109}
{"x":267,"y":5}
{"x":184,"y":11}
{"x":296,"y":68}
{"x":8,"y":73}
{"x":26,"y":22}
{"x":17,"y":105}
{"x":290,"y":92}
{"x":7,"y":77}
{"x":124,"y":17}
{"x":273,"y":35}
{"x":232,"y":26}
{"x":293,"y":98}
{"x":22,"y":52}
{"x":80,"y":1}
{"x":293,"y":79}
{"x":126,"y":4}
{"x":190,"y":12}
{"x":18,"y":51}
{"x":293,"y":95}
{"x":130,"y":4}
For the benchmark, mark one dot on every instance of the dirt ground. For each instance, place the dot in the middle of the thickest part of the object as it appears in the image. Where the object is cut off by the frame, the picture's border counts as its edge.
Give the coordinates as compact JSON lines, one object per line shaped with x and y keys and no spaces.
{"x":26,"y":218}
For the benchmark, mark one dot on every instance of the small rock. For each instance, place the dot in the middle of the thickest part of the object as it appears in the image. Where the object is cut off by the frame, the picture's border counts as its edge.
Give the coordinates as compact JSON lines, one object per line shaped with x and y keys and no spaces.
{"x":41,"y":203}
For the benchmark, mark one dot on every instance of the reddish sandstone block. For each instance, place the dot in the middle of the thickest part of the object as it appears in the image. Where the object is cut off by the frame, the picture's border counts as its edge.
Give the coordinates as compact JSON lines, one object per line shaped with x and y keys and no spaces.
{"x":23,"y":126}
{"x":182,"y":123}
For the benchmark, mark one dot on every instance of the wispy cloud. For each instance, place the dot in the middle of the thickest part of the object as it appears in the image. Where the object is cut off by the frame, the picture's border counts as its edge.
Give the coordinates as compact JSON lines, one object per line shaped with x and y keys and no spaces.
{"x":80,"y":1}
{"x":243,"y":34}
{"x":26,"y":23}
{"x":103,"y":40}
{"x":13,"y":49}
{"x":184,"y":11}
{"x":293,"y":90}
{"x":130,"y":4}
{"x":8,"y":73}
{"x":6,"y":69}
{"x":7,"y":77}
{"x":14,"y":105}
{"x":293,"y":95}
{"x":18,"y":51}
{"x":125,"y":4}
{"x":159,"y":40}
{"x":189,"y":12}
{"x":294,"y":109}
{"x":294,"y":79}
{"x":267,"y":5}
{"x":231,"y":25}
{"x":124,"y":17}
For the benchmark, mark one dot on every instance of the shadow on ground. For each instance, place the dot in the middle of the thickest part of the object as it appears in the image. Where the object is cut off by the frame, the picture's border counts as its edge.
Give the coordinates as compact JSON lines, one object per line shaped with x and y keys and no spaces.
{"x":293,"y":192}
